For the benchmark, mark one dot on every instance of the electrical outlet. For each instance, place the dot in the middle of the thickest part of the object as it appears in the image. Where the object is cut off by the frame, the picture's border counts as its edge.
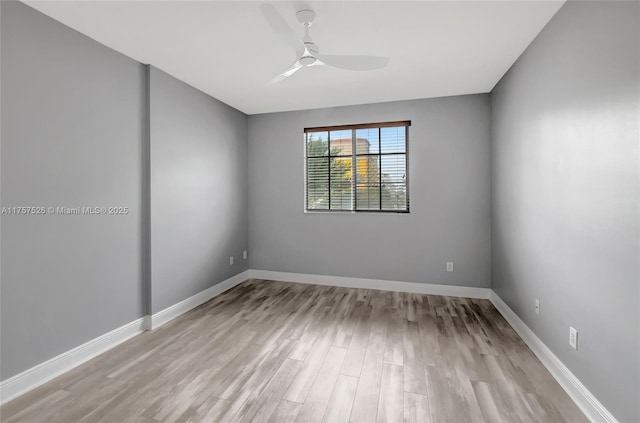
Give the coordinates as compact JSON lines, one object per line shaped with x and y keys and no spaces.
{"x":449,"y":266}
{"x":573,"y":338}
{"x":231,"y":260}
{"x":537,"y":306}
{"x":244,"y":255}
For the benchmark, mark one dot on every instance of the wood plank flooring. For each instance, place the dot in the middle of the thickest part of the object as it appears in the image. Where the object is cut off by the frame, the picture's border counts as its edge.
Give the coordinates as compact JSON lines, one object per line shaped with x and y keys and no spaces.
{"x":283,"y":352}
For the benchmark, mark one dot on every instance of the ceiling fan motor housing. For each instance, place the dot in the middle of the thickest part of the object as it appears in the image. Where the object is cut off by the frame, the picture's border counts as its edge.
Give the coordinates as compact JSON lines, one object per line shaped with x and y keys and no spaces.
{"x":307,"y":60}
{"x":311,"y":46}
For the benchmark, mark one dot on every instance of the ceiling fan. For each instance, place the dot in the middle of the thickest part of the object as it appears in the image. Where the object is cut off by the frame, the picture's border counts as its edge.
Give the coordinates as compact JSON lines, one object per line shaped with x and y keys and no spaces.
{"x":308,"y":53}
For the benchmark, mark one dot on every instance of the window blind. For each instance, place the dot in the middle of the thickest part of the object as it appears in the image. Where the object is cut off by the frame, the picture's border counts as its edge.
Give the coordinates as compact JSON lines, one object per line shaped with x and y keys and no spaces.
{"x":360,"y":168}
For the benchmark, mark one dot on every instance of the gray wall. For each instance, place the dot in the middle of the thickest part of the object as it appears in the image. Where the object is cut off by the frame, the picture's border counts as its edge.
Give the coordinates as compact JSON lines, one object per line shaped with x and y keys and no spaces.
{"x":83,"y":125}
{"x":198,"y":190}
{"x":449,"y":194}
{"x":566,"y":194}
{"x":72,"y":125}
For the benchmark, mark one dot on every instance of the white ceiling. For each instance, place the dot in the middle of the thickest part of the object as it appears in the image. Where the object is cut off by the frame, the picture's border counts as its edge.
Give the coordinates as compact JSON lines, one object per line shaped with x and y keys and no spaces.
{"x":226,"y":48}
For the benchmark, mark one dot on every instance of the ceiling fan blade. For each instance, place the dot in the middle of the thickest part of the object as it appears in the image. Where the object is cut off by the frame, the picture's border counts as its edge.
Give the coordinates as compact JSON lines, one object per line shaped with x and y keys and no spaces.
{"x":281,"y":28}
{"x":295,"y":67}
{"x":356,"y":63}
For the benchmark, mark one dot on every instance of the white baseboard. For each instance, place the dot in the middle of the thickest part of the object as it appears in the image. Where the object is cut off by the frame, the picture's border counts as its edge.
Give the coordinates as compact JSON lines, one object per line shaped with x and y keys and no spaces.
{"x":383,"y":285}
{"x":44,"y":372}
{"x":586,"y":401}
{"x":160,"y":318}
{"x":36,"y":376}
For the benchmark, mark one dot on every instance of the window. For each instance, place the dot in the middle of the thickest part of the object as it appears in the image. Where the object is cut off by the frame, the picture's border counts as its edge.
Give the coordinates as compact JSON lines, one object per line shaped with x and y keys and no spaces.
{"x":360,"y":168}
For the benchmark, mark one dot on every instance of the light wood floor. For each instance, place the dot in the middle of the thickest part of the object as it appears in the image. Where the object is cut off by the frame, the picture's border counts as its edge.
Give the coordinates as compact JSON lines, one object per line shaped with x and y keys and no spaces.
{"x":284,"y":352}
